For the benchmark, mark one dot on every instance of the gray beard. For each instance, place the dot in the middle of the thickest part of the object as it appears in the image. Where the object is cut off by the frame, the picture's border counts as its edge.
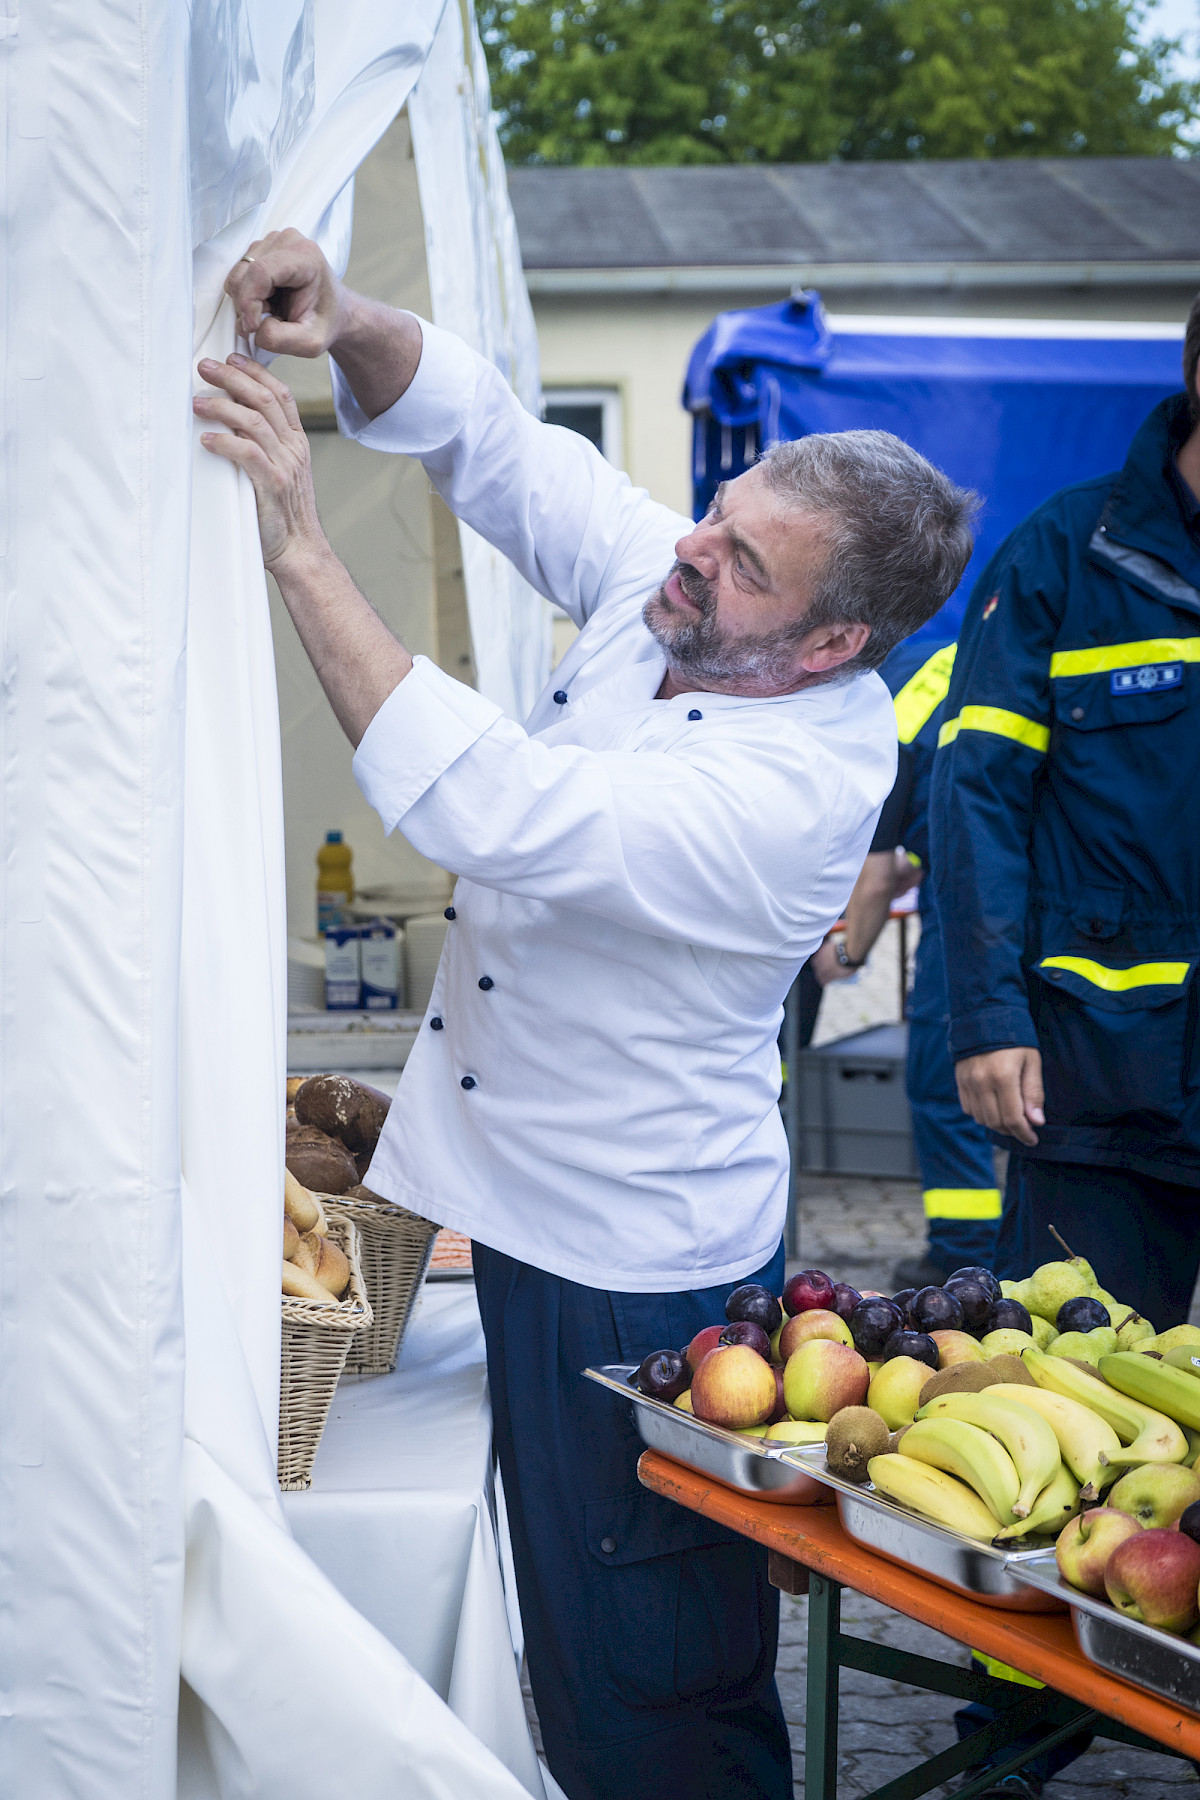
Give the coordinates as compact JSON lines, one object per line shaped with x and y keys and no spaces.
{"x":698,"y":651}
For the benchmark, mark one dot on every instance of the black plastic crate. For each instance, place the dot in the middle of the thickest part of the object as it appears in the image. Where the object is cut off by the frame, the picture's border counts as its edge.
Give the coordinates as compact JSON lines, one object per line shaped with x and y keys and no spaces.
{"x":854,"y":1115}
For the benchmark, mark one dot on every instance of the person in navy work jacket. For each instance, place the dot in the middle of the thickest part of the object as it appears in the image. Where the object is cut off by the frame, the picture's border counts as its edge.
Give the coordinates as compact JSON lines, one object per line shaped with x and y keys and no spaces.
{"x":1066,"y":866}
{"x":959,"y":1192}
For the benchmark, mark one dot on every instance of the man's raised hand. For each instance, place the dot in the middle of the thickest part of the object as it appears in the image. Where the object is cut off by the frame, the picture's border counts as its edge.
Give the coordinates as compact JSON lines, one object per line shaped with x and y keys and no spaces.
{"x":264,"y":437}
{"x":287,"y":295}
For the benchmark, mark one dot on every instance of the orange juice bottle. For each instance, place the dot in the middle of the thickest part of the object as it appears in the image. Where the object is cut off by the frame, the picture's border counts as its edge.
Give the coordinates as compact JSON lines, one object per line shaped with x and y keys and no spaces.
{"x":335,"y":882}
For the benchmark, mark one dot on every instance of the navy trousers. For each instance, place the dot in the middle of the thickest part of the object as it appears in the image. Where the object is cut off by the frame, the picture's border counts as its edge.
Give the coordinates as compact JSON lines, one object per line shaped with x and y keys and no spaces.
{"x":1141,"y":1236}
{"x":954,"y":1154}
{"x":650,"y":1632}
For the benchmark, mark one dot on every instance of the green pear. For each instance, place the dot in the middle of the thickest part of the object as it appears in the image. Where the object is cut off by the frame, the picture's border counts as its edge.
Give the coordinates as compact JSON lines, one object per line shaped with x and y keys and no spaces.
{"x":1086,"y":1270}
{"x":1136,"y":1332}
{"x":1006,"y":1342}
{"x":1178,"y":1334}
{"x":1076,"y":1344}
{"x":1051,"y":1286}
{"x":895,"y":1392}
{"x":1044,"y":1333}
{"x":1009,"y":1290}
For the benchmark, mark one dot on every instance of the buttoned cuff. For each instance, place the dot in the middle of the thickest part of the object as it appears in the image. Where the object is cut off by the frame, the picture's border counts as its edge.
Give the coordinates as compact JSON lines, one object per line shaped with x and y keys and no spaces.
{"x":433,"y":408}
{"x":425,"y":724}
{"x":992,"y":1028}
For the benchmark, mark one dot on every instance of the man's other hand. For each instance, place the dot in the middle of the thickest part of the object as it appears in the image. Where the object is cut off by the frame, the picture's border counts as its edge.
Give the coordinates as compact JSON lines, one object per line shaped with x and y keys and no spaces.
{"x":1003,"y":1090}
{"x":287,"y":295}
{"x":264,"y":437}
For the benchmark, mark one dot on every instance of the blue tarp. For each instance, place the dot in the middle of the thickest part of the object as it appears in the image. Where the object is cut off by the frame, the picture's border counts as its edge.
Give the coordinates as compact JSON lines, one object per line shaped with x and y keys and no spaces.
{"x":1015,"y":418}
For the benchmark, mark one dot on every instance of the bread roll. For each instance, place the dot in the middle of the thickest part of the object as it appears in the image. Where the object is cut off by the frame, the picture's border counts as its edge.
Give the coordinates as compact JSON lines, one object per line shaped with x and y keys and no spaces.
{"x":298,"y":1284}
{"x":301,"y":1207}
{"x":347,"y":1110}
{"x":291,"y":1239}
{"x":324,"y":1261}
{"x":318,"y":1161}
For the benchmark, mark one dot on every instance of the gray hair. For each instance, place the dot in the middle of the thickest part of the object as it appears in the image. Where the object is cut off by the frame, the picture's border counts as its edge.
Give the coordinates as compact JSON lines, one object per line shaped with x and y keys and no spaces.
{"x":898,"y":530}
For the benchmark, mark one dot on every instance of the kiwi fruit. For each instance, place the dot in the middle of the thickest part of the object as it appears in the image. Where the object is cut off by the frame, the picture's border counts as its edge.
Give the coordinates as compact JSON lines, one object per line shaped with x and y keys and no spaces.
{"x":1079,"y":1362}
{"x":1007,"y":1367}
{"x":894,"y":1439}
{"x":855,"y":1435}
{"x":964,"y":1378}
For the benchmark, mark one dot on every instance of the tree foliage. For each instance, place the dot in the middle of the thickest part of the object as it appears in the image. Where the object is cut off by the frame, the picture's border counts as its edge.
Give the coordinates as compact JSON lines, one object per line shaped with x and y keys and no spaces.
{"x":711,"y":81}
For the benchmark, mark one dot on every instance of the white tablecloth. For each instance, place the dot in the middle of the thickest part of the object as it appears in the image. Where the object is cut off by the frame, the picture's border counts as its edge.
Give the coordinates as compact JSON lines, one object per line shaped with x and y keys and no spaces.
{"x":402,"y":1517}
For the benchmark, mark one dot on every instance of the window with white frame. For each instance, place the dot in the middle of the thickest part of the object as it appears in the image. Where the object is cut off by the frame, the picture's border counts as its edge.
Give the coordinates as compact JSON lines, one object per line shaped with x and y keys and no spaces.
{"x":594,"y":412}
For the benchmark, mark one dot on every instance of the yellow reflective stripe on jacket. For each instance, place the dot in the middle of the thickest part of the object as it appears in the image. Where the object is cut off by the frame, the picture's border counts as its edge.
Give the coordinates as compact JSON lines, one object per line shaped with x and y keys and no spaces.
{"x":962,"y":1203}
{"x":1124,"y":656}
{"x":923,"y":693}
{"x":1119,"y":981}
{"x":1000,"y":723}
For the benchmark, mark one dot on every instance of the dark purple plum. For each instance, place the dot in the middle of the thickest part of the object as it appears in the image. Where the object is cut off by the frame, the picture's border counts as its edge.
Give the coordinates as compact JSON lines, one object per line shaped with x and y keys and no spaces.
{"x":904,"y":1300}
{"x":808,"y":1291}
{"x":1189,"y":1521}
{"x":871,"y":1325}
{"x":933,"y":1309}
{"x":664,"y":1375}
{"x":911,"y":1343}
{"x":758,"y":1304}
{"x":745,"y":1331}
{"x":845,"y":1299}
{"x":984,"y":1277}
{"x":1084,"y":1314}
{"x":974,"y":1299}
{"x":1008,"y":1315}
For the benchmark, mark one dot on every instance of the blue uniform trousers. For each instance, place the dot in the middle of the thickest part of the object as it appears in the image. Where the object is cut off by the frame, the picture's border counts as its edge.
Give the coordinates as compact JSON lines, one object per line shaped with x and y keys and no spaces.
{"x":954,"y":1154}
{"x":650,"y":1632}
{"x":1141,"y":1236}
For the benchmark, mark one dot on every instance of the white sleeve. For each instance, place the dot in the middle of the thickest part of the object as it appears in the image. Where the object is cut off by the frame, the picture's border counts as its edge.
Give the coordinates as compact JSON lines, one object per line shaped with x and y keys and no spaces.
{"x":714,"y":844}
{"x":574,"y":526}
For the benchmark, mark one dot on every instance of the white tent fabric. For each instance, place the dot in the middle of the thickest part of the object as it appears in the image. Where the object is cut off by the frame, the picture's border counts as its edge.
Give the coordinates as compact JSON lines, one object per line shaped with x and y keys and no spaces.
{"x":142,"y":954}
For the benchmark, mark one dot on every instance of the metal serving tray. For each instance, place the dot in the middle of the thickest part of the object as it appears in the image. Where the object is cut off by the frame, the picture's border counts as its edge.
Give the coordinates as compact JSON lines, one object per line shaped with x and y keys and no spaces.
{"x":981,"y":1571}
{"x":742,"y":1463}
{"x":1168,"y":1666}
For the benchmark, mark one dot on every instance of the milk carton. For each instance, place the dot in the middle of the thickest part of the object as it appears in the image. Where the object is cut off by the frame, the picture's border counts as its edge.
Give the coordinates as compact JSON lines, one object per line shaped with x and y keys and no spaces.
{"x":379,"y":948}
{"x":343,"y":973}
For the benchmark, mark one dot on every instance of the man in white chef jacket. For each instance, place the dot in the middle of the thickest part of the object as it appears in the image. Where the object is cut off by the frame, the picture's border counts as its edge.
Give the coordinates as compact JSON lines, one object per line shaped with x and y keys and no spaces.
{"x":643,"y":866}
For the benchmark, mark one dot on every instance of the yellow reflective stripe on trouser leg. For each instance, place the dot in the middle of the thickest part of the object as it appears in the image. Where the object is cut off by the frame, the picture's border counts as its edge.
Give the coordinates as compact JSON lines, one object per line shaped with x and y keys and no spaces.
{"x":1004,"y":1671}
{"x":1120,"y":981}
{"x":1105,"y":657}
{"x":923,"y":693}
{"x":962,"y":1203}
{"x":999,"y":723}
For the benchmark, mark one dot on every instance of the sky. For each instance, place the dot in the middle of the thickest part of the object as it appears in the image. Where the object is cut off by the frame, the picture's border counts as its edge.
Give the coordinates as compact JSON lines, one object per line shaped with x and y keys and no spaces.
{"x":1177,"y":18}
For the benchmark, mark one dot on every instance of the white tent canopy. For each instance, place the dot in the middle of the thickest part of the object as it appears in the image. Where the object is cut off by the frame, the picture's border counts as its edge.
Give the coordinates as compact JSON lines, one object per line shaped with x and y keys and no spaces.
{"x":143,"y":967}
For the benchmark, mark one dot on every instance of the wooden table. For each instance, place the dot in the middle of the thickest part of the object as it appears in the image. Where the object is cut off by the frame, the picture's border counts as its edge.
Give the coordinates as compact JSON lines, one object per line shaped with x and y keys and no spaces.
{"x":811,"y":1553}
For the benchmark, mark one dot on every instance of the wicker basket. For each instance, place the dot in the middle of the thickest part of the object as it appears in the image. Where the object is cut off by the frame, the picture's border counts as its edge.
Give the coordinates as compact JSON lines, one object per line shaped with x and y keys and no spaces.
{"x":316,"y":1341}
{"x":396,"y":1248}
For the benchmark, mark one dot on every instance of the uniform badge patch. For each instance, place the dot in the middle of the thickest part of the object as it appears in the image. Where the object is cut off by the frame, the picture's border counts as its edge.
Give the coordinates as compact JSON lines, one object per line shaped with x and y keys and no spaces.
{"x":991,"y":606}
{"x":1151,"y":678}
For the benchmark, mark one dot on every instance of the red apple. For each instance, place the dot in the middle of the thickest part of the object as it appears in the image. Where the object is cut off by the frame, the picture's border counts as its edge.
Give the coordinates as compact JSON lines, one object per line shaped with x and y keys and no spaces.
{"x":823,"y":1376}
{"x":809,"y":1289}
{"x":735,"y":1388}
{"x":1152,"y":1577}
{"x":1086,"y":1543}
{"x":815,"y":1324}
{"x":702,"y":1343}
{"x":956,"y":1347}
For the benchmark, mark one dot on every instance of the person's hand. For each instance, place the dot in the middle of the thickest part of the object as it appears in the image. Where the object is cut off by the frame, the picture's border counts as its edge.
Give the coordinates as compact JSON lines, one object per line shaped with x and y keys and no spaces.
{"x":287,"y":295}
{"x":908,"y":875}
{"x":826,"y":967}
{"x":264,"y":437}
{"x":1002,"y":1089}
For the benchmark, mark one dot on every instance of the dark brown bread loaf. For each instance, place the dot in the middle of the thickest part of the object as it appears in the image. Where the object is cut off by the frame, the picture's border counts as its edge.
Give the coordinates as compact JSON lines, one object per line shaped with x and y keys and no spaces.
{"x":344,"y":1109}
{"x":318,"y":1161}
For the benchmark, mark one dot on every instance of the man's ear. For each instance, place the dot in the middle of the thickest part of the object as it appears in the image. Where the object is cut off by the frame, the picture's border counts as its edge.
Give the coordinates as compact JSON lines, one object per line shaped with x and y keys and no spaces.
{"x":832,"y":645}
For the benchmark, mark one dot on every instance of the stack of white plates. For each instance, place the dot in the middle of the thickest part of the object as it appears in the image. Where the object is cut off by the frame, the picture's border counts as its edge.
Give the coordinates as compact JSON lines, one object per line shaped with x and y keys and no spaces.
{"x":424,"y":936}
{"x":305,"y":975}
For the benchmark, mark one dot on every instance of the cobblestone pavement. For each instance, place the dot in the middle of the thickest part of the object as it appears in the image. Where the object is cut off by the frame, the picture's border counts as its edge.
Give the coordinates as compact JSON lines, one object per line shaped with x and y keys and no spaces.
{"x":857,"y":1229}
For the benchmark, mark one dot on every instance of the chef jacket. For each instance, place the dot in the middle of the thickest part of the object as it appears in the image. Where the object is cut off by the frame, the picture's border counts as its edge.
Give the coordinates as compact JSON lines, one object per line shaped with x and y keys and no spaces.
{"x":594,"y":1089}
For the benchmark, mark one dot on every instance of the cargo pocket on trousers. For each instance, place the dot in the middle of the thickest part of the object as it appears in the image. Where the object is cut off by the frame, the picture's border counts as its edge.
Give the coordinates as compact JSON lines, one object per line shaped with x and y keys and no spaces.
{"x":676,"y":1606}
{"x":1113,"y":1037}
